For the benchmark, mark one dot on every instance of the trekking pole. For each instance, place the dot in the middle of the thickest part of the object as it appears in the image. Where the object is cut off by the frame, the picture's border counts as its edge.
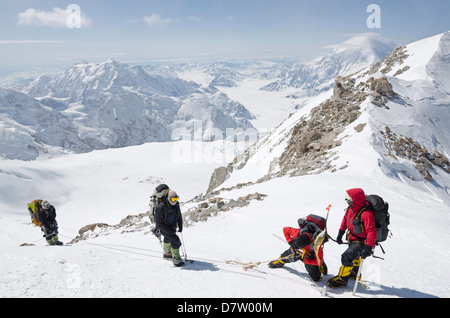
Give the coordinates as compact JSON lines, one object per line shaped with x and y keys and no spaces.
{"x":183,"y":246}
{"x":358,"y":277}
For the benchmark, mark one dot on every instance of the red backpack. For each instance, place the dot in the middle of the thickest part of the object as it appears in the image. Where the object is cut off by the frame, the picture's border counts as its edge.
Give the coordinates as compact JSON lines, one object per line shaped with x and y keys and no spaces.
{"x":318,"y":220}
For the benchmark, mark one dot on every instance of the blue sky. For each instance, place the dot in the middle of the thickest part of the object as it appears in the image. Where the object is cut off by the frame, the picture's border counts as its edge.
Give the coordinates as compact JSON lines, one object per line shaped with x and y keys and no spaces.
{"x":34,"y":33}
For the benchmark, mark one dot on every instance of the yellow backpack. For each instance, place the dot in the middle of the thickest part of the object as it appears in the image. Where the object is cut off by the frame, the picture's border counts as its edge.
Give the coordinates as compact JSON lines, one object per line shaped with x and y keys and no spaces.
{"x":33,"y":208}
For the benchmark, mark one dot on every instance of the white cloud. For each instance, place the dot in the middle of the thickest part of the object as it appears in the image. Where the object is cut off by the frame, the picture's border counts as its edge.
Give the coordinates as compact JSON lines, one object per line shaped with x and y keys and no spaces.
{"x":30,"y":41}
{"x":360,"y":40}
{"x":57,"y":18}
{"x":195,"y":19}
{"x":155,"y":19}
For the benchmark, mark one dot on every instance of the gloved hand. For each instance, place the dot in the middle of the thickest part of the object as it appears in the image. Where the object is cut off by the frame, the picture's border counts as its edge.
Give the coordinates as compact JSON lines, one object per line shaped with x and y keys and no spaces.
{"x":292,"y":245}
{"x":366,"y":251}
{"x":339,"y":237}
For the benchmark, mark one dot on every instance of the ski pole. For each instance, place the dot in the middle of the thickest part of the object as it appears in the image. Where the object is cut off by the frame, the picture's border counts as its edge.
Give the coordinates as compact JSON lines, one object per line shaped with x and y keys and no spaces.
{"x":358,"y":277}
{"x":183,"y":246}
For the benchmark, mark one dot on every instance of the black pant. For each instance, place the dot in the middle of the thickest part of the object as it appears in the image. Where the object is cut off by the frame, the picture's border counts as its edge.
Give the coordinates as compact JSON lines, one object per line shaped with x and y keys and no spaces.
{"x":353,"y":252}
{"x":171,"y":237}
{"x":50,"y":230}
{"x":313,"y":270}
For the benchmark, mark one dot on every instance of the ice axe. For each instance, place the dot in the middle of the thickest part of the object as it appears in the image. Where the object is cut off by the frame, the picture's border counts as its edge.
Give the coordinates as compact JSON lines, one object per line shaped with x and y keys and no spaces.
{"x":328,"y":212}
{"x":318,"y":240}
{"x":155,"y":231}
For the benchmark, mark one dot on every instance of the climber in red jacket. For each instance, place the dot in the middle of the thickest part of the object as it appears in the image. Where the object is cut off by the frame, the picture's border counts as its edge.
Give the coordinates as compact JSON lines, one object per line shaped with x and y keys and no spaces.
{"x":359,"y":221}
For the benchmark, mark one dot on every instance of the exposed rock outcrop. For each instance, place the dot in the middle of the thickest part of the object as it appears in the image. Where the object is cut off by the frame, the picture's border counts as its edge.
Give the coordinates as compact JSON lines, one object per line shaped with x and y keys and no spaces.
{"x":382,"y":91}
{"x":218,"y":176}
{"x":308,"y":150}
{"x":407,"y":148}
{"x":210,"y":205}
{"x":395,"y":59}
{"x":207,"y":205}
{"x":131,"y":223}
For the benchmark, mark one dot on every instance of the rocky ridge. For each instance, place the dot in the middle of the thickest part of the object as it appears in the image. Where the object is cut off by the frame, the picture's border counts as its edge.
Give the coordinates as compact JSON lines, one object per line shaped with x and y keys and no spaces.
{"x":406,"y":148}
{"x":313,"y":138}
{"x":202,"y":208}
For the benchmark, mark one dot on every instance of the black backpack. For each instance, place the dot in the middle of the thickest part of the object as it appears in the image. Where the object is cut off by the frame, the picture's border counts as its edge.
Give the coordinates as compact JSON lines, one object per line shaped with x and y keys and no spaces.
{"x":314,"y":225}
{"x":380,"y":210}
{"x":156,"y":197}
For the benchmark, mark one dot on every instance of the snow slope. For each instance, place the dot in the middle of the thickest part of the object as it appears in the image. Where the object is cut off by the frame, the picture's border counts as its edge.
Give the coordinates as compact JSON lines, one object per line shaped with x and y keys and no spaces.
{"x":107,"y":185}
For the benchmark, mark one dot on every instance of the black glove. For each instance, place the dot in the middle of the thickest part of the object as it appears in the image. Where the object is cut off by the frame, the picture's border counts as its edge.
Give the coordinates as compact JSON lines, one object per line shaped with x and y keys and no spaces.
{"x":339,"y":237}
{"x":293,"y":245}
{"x":366,"y":251}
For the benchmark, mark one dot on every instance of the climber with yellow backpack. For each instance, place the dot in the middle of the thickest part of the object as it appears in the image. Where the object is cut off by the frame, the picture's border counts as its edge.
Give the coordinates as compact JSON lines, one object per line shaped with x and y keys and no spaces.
{"x":43,"y":215}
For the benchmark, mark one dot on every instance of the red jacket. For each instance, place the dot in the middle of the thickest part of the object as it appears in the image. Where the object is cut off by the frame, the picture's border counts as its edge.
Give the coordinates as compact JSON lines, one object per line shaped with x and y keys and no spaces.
{"x":369,"y":233}
{"x":291,"y":234}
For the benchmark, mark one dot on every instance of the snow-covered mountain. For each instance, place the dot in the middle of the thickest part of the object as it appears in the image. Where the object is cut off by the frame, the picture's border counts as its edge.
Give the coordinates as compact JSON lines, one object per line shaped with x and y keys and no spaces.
{"x":346,"y":58}
{"x":111,"y":104}
{"x":370,"y":119}
{"x":384,"y":129}
{"x":271,"y":90}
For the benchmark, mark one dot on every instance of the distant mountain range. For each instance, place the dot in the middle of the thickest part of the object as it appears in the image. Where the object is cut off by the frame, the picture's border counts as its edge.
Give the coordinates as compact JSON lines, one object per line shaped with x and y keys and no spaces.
{"x":113,"y":104}
{"x":346,"y":58}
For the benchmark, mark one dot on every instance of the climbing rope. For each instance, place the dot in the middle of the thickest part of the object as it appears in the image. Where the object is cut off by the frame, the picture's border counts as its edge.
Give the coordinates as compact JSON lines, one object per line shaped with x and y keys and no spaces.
{"x":251,"y":265}
{"x":122,"y":248}
{"x":245,"y":266}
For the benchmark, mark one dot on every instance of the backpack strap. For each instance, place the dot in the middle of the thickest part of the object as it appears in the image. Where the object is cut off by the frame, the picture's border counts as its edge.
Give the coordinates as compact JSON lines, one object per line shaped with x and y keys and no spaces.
{"x":358,"y":215}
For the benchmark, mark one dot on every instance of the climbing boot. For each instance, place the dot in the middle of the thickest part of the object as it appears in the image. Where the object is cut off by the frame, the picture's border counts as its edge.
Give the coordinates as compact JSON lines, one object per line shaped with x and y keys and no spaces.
{"x":340,"y":280}
{"x":54,"y":240}
{"x":167,"y":254}
{"x":276,"y":264}
{"x":354,"y":271}
{"x":177,"y":261}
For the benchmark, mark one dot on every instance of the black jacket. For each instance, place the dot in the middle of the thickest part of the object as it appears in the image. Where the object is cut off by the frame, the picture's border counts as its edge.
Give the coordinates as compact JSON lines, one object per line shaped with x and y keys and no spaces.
{"x":47,"y":217}
{"x":168,"y":217}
